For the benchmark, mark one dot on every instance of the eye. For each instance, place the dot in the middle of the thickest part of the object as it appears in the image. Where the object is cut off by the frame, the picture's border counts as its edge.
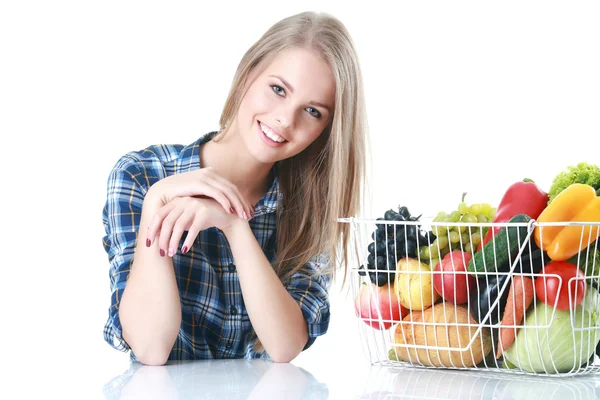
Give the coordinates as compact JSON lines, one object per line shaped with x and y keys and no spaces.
{"x":275,"y":87}
{"x":280,"y":91}
{"x":316,"y":112}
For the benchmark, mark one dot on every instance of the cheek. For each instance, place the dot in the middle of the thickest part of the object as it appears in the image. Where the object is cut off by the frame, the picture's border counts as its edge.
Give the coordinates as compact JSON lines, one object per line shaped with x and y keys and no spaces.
{"x":311,"y":136}
{"x":257,"y":101}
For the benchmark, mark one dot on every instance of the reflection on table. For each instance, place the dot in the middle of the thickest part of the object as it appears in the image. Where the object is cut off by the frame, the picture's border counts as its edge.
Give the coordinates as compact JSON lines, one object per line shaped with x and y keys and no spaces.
{"x":215,"y":379}
{"x":421,"y":383}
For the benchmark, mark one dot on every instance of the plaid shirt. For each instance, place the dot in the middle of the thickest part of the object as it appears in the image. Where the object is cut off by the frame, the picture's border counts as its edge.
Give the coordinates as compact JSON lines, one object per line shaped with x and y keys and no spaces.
{"x":214,"y":323}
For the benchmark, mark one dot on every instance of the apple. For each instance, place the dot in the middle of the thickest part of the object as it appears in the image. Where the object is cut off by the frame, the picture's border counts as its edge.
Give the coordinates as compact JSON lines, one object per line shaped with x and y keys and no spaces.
{"x":451,"y":280}
{"x":378,"y":306}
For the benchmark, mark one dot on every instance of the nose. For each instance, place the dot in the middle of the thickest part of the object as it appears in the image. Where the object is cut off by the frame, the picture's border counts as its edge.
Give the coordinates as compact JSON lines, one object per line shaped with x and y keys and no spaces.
{"x":285,"y":118}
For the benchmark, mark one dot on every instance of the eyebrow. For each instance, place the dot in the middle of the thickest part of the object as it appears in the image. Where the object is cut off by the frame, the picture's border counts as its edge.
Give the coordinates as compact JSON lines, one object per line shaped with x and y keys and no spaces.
{"x":286,"y":83}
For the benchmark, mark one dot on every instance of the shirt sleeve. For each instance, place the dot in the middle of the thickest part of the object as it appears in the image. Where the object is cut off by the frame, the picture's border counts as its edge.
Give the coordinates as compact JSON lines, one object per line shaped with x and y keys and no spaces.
{"x":310,"y":288}
{"x":121,"y":218}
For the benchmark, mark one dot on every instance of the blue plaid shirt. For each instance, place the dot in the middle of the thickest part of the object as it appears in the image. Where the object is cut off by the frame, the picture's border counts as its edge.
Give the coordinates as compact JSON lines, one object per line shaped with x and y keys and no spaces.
{"x":214,"y":322}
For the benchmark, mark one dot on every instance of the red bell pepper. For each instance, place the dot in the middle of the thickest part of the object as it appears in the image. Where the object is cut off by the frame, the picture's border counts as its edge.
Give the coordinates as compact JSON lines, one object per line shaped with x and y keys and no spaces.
{"x":524,"y":197}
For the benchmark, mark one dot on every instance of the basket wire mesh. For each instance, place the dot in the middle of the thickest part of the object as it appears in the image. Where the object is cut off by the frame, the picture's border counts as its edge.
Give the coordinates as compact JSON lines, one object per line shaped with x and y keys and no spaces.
{"x":404,"y":321}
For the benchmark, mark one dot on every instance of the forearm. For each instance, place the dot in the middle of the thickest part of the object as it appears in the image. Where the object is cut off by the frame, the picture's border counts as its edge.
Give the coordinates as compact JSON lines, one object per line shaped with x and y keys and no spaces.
{"x":150,"y":309}
{"x":275,"y":315}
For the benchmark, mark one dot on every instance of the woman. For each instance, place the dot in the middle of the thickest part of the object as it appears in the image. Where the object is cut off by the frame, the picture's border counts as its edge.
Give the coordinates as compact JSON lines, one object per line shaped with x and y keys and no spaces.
{"x":226,"y":248}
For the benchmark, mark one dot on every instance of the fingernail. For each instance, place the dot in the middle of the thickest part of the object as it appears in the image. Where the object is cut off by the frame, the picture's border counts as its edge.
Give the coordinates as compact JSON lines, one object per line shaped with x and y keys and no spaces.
{"x":170,"y":252}
{"x":231,"y":210}
{"x":148,"y":242}
{"x":162,"y":253}
{"x":184,"y":250}
{"x":245,"y":215}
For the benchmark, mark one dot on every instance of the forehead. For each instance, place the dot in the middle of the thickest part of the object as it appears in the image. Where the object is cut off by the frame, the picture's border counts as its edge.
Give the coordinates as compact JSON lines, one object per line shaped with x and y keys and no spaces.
{"x":306,"y":71}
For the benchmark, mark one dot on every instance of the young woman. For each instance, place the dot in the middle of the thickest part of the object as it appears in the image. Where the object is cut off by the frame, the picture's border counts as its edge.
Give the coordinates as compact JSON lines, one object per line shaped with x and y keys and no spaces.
{"x":226,"y":248}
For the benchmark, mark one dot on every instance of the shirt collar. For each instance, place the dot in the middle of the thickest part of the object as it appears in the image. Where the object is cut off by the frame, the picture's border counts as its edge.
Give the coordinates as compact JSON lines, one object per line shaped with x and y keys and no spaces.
{"x":189,"y":160}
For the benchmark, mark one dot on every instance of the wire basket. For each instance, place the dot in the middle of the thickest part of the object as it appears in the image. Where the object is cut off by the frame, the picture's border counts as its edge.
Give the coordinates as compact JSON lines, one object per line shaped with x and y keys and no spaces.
{"x":465,"y":304}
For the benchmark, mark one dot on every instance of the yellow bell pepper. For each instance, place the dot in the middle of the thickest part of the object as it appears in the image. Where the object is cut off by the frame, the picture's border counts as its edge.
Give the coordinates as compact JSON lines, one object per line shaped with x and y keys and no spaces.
{"x":577,"y":203}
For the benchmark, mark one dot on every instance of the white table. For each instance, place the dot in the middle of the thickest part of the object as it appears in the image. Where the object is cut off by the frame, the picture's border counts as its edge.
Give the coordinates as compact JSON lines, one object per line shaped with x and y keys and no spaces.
{"x":257,"y":379}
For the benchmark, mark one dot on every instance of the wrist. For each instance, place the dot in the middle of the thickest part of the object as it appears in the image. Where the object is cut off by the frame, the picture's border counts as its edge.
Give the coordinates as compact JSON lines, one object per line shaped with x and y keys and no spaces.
{"x":154,"y":196}
{"x":237,"y":227}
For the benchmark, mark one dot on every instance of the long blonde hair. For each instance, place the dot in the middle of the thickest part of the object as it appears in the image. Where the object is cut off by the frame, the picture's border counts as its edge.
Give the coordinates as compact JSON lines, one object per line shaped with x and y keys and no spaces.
{"x":326,"y":181}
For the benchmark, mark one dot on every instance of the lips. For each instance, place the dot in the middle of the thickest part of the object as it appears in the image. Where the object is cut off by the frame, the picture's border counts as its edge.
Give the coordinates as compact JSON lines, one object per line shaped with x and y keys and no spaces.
{"x":268,"y":140}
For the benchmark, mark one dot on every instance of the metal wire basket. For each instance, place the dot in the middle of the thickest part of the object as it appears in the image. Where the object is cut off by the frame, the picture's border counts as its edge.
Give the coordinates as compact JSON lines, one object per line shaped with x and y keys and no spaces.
{"x":477,"y":306}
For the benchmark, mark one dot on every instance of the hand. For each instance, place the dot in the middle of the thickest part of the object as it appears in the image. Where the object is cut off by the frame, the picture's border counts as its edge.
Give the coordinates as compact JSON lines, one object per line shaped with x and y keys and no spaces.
{"x":189,"y":214}
{"x":202,"y":182}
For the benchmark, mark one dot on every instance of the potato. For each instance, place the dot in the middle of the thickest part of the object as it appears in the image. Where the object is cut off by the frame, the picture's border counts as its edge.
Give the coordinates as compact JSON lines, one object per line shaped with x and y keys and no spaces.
{"x":414,"y":284}
{"x":449,"y":333}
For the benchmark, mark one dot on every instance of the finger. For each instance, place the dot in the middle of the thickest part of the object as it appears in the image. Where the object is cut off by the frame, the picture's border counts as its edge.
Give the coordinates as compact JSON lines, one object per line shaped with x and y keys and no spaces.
{"x":167,"y":228}
{"x":224,"y":186}
{"x":210,"y":190}
{"x":249,"y":208}
{"x":193,"y":231}
{"x":156,"y":221}
{"x":243,"y":208}
{"x":183,"y":222}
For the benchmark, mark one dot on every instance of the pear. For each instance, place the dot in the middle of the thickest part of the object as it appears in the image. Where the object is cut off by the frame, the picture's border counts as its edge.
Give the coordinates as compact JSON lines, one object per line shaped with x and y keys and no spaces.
{"x":414,"y":284}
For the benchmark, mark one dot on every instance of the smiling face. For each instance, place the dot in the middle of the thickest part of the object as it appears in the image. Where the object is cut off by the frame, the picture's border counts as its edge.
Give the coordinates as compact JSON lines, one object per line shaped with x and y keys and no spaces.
{"x":288,"y":106}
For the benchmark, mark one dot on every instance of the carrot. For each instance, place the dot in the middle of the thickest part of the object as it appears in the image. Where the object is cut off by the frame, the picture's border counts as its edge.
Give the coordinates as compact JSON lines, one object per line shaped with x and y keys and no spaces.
{"x":520,"y":296}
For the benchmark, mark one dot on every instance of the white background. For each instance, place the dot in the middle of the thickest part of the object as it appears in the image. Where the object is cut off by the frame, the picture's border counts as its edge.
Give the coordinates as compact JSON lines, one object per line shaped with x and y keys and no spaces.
{"x":462,"y":96}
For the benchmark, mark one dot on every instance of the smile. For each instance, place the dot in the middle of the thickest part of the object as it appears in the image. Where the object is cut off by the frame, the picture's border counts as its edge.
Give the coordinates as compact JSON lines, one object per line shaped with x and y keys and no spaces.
{"x":270,"y":137}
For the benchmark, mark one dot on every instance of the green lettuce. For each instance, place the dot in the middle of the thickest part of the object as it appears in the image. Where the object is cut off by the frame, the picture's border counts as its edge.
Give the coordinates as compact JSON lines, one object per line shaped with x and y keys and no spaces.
{"x":586,"y":173}
{"x":588,"y":260}
{"x":550,"y":342}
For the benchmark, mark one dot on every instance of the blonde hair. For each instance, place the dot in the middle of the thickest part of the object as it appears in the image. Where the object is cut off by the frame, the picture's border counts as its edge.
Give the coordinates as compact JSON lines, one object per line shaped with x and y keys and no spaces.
{"x":326,"y":181}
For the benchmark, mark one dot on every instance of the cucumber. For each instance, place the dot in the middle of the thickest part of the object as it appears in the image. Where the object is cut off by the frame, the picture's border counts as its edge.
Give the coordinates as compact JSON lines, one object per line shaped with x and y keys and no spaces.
{"x":502,"y":249}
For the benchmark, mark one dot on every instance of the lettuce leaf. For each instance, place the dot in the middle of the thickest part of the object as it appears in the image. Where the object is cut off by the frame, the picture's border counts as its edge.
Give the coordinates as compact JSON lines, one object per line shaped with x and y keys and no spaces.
{"x":555,"y":341}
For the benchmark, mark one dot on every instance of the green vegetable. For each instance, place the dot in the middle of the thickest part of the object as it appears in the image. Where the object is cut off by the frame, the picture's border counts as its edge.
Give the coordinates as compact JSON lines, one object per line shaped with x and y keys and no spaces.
{"x":591,"y":302}
{"x":498,"y":253}
{"x":588,"y":174}
{"x":588,"y":260}
{"x":547,"y":342}
{"x":506,"y":364}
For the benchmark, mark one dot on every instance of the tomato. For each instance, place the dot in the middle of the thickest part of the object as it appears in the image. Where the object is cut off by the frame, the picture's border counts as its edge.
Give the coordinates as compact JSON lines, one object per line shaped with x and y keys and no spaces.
{"x":571,"y":294}
{"x":451,"y":279}
{"x":378,"y":306}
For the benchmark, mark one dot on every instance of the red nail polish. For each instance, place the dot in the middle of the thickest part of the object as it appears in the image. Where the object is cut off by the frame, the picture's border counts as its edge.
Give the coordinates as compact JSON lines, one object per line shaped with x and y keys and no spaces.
{"x":184,"y":250}
{"x":231,"y":210}
{"x":162,"y":253}
{"x":148,"y":243}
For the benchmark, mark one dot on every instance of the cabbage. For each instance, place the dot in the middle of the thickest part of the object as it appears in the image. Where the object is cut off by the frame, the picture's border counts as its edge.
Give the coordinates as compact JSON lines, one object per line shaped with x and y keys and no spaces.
{"x":557,"y":348}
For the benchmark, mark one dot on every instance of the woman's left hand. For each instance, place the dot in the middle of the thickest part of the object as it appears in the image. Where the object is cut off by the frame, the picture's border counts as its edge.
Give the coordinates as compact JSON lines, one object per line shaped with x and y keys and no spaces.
{"x":189,"y":214}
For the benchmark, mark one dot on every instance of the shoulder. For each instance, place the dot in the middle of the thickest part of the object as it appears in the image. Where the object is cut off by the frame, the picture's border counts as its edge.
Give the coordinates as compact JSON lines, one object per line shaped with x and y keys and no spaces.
{"x":158,"y":161}
{"x":151,"y":157}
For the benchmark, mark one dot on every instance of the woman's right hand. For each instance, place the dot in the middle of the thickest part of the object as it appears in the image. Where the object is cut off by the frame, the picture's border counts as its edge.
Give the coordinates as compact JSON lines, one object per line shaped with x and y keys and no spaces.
{"x":204,"y":182}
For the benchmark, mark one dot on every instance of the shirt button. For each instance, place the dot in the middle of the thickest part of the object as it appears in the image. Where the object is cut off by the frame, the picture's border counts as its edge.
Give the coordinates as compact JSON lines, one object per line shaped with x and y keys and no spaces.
{"x":231,"y":267}
{"x":233,"y":310}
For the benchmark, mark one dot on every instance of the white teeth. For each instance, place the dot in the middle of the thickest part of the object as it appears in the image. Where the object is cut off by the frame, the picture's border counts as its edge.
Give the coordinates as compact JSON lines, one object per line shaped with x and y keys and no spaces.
{"x":270,"y":134}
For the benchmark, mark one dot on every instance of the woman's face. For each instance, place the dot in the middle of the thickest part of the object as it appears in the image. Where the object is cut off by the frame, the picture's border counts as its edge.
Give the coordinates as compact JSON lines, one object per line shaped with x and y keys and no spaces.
{"x":288,"y":106}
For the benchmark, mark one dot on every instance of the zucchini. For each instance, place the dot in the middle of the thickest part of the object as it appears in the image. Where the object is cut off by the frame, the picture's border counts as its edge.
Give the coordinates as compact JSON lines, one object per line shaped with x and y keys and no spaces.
{"x":502,"y":249}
